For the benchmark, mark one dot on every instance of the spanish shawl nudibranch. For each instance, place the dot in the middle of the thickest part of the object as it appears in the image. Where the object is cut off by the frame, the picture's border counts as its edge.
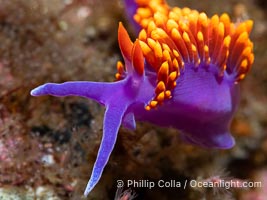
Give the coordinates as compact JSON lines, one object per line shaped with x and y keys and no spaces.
{"x":182,"y":71}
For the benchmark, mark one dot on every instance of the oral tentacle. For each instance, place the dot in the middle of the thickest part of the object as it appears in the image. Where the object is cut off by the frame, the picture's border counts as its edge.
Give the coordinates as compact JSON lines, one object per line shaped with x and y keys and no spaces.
{"x":112,"y":121}
{"x":93,"y":90}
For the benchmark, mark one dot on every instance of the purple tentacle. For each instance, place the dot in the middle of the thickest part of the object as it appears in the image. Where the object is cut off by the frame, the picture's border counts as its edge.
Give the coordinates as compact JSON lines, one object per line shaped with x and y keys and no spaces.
{"x":112,"y":121}
{"x":97,"y":91}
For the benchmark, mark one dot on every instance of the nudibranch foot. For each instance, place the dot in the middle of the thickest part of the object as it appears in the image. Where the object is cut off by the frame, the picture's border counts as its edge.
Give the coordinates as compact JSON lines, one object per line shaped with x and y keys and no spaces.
{"x":222,"y":141}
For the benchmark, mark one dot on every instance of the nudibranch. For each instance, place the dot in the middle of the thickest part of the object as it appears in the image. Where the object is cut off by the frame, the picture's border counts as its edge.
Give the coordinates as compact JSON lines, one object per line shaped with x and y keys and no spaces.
{"x":182,"y":71}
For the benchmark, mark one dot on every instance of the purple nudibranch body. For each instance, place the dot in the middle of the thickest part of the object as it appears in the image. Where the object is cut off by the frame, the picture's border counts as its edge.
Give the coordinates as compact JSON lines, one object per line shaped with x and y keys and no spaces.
{"x":178,"y":73}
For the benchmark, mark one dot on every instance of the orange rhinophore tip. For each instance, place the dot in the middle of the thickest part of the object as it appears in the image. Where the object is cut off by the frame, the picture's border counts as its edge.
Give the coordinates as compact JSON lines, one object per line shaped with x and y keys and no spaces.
{"x":131,"y":52}
{"x":138,"y":58}
{"x":125,"y":42}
